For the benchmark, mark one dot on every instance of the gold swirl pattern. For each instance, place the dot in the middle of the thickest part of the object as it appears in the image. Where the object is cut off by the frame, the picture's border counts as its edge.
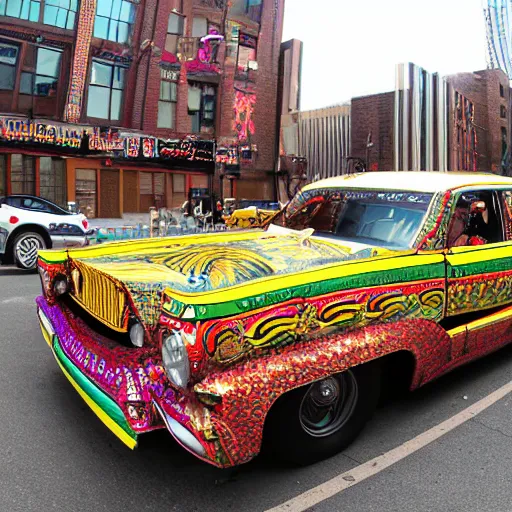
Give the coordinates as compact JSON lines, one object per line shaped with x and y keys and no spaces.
{"x":234,"y":339}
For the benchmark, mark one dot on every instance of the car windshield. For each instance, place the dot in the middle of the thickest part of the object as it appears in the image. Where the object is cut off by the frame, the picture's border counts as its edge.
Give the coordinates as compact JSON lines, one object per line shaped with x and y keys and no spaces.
{"x":385,"y":218}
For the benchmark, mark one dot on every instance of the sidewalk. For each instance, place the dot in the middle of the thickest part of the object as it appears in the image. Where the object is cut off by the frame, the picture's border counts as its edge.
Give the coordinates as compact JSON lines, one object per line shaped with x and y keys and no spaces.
{"x":136,"y":226}
{"x":129,"y":219}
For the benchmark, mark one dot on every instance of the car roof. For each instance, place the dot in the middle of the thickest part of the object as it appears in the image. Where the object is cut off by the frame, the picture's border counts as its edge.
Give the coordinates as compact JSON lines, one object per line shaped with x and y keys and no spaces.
{"x":27,"y":196}
{"x":411,"y":181}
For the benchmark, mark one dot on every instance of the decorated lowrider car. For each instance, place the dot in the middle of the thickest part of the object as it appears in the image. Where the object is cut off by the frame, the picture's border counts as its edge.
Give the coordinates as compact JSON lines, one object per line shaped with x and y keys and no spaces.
{"x":291,"y":330}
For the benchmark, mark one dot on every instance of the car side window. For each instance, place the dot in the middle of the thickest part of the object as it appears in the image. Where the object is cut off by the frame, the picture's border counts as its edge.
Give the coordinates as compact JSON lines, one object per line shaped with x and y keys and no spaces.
{"x":34,"y":204}
{"x":476,"y":220}
{"x":13,"y":201}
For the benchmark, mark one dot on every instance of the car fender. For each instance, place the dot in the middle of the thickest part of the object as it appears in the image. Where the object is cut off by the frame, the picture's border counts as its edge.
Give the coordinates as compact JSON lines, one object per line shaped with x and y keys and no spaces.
{"x":29,"y":226}
{"x":244,"y":394}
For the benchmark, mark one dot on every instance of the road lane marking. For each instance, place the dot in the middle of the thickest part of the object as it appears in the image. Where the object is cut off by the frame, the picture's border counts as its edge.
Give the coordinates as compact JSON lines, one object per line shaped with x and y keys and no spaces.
{"x":360,"y":473}
{"x":17,"y":300}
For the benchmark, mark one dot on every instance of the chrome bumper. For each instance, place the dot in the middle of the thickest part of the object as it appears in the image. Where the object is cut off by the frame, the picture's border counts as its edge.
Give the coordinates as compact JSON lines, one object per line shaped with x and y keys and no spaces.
{"x":63,"y":242}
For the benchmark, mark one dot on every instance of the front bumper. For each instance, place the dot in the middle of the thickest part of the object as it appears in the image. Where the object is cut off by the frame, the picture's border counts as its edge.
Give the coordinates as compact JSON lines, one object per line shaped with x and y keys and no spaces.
{"x":68,"y":241}
{"x":102,"y":405}
{"x":126,"y":388}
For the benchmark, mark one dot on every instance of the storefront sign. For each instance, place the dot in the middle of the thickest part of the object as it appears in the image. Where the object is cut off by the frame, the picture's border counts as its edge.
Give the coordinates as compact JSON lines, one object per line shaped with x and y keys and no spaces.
{"x":58,"y":135}
{"x":105,"y":141}
{"x":227,"y":155}
{"x":193,"y":150}
{"x":14,"y":130}
{"x":168,"y":74}
{"x":69,"y":136}
{"x":131,"y":147}
{"x":149,"y":149}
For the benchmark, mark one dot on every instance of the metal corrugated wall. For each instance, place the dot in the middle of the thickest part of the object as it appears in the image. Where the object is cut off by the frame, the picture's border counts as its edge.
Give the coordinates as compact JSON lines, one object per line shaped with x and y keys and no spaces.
{"x":324,"y":141}
{"x":421,"y":113}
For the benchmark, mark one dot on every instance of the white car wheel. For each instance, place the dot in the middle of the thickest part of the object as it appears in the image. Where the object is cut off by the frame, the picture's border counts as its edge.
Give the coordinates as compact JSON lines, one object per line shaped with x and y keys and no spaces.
{"x":25,"y":249}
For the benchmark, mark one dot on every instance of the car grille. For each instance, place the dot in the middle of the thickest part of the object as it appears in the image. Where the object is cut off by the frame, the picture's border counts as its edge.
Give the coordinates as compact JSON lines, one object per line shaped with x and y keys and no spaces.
{"x":100,"y":295}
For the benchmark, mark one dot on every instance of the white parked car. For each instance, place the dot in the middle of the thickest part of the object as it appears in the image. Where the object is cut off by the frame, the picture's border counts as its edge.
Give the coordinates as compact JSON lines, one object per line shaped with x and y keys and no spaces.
{"x":29,"y":223}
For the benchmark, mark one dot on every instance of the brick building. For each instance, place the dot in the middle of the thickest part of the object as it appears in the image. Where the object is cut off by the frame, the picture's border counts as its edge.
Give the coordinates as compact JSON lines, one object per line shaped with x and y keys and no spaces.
{"x":489,"y":91}
{"x":120,"y":105}
{"x":371,"y":136}
{"x":460,"y":122}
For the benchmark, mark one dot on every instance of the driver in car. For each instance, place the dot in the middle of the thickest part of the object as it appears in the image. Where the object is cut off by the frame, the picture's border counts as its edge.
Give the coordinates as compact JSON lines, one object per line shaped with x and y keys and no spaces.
{"x":467,"y":223}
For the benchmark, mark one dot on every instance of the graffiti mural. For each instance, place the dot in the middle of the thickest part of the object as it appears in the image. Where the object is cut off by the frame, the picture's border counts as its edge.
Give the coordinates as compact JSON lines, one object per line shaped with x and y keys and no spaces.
{"x":464,"y":115}
{"x":243,"y":123}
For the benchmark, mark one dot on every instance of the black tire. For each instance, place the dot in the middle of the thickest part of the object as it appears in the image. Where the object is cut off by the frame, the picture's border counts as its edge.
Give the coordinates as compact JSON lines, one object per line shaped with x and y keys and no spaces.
{"x":25,"y":247}
{"x":293,"y":437}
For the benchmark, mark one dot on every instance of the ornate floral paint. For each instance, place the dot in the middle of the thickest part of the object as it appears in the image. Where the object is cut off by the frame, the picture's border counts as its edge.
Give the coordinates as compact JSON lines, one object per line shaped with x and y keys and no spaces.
{"x":231,"y":339}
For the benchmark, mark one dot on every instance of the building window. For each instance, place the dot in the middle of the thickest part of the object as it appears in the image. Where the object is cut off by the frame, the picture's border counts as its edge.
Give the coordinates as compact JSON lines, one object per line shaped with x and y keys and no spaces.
{"x":3,"y":176}
{"x":85,"y":188}
{"x":199,"y":26}
{"x":503,"y":112}
{"x":502,"y":91}
{"x":8,"y":60}
{"x":167,"y":104}
{"x":60,"y":13}
{"x":22,"y":9}
{"x":114,"y":20}
{"x":253,"y":9}
{"x":44,"y":81}
{"x":250,"y":8}
{"x":105,"y":91}
{"x":246,"y":53}
{"x":201,"y":107}
{"x":52,"y":179}
{"x":174,"y":30}
{"x":504,"y":143}
{"x":23,"y":174}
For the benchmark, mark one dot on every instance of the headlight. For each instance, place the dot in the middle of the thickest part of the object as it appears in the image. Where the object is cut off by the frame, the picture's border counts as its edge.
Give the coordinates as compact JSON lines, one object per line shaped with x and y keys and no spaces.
{"x":60,"y":285}
{"x":137,"y":335}
{"x":175,"y":359}
{"x":45,"y":279}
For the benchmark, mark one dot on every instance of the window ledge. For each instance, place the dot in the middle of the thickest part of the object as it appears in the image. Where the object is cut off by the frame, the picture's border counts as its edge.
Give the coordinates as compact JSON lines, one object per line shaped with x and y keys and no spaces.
{"x":11,"y":24}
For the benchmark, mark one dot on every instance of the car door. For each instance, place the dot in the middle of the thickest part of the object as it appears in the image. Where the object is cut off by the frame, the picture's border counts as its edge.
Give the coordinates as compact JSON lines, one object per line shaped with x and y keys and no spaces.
{"x":479,"y":272}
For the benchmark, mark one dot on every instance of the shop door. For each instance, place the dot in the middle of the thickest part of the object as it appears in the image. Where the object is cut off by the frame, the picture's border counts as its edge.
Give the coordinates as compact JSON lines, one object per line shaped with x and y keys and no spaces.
{"x":179,"y":195}
{"x":109,"y":194}
{"x":85,"y":191}
{"x":130,"y":192}
{"x":152,"y":190}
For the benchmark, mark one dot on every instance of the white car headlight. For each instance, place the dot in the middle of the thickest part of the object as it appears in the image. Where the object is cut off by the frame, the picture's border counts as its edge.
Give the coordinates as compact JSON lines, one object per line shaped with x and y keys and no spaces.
{"x":175,"y":359}
{"x":137,"y":335}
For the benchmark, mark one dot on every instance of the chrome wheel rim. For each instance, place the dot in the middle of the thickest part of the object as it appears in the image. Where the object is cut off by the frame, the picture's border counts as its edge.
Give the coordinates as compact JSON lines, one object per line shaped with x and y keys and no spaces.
{"x":328,"y":404}
{"x":26,"y":250}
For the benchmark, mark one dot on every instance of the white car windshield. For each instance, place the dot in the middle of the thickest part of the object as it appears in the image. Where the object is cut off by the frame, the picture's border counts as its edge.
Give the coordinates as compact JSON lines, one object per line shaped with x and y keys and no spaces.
{"x":385,"y":218}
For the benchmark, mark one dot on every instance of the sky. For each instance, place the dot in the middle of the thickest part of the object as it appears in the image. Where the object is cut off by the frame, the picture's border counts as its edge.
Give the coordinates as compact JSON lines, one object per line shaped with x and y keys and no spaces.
{"x":351,"y":47}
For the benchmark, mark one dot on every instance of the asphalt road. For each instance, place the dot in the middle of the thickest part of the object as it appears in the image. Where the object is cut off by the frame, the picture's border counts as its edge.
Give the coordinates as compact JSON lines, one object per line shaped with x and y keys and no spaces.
{"x":56,"y":455}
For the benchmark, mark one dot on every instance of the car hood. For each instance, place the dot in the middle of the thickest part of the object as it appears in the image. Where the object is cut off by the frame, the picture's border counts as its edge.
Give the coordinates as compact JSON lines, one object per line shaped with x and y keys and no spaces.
{"x":204,"y":264}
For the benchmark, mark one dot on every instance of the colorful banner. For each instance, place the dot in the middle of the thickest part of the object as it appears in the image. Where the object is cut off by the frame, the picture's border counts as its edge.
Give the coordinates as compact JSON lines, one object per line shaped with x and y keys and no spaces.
{"x":95,"y":140}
